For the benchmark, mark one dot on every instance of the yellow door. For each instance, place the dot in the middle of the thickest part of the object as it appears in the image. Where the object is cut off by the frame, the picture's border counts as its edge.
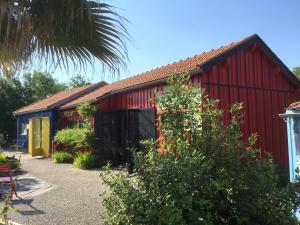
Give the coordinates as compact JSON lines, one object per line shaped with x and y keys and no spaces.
{"x":45,"y":136}
{"x":30,"y":137}
{"x":37,"y":136}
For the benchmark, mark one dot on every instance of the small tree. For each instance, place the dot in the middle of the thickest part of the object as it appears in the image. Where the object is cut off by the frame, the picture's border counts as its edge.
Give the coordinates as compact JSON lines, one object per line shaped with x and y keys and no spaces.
{"x":86,"y":110}
{"x":204,"y":173}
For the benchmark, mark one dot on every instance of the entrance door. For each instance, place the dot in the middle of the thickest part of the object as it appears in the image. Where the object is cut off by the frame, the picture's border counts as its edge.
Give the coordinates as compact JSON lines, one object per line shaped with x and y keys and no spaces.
{"x":108,"y":144}
{"x":139,"y":125}
{"x":119,"y":131}
{"x":39,"y":136}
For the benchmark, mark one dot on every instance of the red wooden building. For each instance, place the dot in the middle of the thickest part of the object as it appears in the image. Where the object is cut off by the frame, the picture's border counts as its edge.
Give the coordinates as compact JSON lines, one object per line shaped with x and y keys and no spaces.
{"x":245,"y":71}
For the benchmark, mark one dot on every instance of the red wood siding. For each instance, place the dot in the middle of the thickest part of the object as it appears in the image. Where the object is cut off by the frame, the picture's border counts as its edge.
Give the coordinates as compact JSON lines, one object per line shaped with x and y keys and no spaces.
{"x":69,"y":115}
{"x":140,"y":98}
{"x":250,"y":77}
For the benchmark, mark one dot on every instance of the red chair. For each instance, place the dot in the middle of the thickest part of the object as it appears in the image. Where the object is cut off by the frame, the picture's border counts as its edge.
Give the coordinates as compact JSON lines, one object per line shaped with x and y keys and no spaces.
{"x":9,"y":179}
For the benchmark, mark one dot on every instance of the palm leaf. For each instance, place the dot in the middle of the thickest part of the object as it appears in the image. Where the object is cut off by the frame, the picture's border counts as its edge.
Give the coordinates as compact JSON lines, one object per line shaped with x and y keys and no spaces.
{"x":61,"y":33}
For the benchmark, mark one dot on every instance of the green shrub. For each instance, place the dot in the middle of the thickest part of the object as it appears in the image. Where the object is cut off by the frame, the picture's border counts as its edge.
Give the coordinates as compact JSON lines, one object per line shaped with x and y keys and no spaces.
{"x":75,"y":137}
{"x":63,"y":157}
{"x":203,"y":174}
{"x":85,"y":160}
{"x":86,"y":109}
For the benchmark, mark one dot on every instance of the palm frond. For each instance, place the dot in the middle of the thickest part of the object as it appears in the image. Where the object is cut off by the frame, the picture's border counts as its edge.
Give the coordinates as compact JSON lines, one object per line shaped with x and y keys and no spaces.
{"x":62,"y":33}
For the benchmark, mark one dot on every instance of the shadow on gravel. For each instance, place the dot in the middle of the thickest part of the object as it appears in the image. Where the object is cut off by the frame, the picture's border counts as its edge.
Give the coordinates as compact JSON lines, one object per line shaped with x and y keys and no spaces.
{"x":28,"y":208}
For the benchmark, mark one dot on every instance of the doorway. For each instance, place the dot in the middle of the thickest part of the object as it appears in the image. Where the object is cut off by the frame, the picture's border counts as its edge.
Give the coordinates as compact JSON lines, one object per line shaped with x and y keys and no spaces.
{"x":39,"y":136}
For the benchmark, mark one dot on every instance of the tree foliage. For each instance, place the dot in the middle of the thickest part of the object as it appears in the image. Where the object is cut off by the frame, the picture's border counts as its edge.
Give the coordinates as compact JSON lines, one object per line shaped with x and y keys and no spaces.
{"x":39,"y":85}
{"x":16,"y":93}
{"x":296,"y":71}
{"x":11,"y":98}
{"x":203,"y":174}
{"x":61,"y":33}
{"x":86,"y":110}
{"x":78,"y":81}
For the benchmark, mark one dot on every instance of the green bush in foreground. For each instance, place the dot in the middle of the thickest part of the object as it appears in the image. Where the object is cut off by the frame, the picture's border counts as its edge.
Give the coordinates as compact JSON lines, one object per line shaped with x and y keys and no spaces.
{"x":85,"y":160}
{"x":63,"y":157}
{"x":205,"y":173}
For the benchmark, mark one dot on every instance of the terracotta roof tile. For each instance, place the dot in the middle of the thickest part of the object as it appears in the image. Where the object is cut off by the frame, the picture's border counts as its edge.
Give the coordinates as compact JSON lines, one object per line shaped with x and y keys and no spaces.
{"x":294,"y":105}
{"x":59,"y":98}
{"x":182,"y":66}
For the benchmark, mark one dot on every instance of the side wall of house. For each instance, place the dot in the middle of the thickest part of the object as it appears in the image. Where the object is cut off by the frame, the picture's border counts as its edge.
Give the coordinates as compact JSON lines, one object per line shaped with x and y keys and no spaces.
{"x":22,"y":140}
{"x":249,"y":76}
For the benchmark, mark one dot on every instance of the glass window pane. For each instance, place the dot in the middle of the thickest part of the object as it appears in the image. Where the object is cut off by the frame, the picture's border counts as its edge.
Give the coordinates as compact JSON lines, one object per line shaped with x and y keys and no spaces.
{"x":296,"y":135}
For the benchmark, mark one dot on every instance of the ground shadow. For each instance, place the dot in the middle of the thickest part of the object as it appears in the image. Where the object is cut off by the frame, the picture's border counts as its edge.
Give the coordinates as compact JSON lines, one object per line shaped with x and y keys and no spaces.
{"x":28,"y":210}
{"x":23,"y":185}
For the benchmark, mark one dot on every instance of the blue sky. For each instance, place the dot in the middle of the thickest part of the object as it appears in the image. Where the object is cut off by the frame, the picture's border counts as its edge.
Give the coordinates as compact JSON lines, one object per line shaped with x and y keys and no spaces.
{"x":164,"y":31}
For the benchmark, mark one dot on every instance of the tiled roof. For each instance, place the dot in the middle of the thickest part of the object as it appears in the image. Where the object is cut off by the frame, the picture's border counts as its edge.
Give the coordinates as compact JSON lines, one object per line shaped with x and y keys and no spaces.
{"x":59,"y":98}
{"x":295,"y":105}
{"x":182,"y":66}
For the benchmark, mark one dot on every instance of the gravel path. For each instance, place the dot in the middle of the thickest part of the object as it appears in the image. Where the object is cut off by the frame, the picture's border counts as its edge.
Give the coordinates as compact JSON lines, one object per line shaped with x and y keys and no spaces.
{"x":74,"y":200}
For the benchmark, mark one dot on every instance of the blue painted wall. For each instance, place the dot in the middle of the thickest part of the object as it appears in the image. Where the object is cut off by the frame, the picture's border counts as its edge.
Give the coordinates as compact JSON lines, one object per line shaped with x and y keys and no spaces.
{"x":24,"y":118}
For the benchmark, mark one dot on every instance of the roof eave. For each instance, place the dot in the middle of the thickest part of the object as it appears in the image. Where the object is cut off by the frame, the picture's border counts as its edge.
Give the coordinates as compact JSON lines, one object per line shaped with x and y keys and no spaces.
{"x":31,"y":111}
{"x":64,"y":101}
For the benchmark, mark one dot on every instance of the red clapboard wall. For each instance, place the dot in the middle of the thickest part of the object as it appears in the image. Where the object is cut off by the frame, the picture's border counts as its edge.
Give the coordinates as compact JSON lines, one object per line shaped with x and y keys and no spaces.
{"x":246,"y":71}
{"x":249,"y":76}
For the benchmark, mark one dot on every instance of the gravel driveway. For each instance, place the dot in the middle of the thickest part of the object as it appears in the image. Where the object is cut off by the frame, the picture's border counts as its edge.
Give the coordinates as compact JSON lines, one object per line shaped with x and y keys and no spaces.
{"x":73,"y":198}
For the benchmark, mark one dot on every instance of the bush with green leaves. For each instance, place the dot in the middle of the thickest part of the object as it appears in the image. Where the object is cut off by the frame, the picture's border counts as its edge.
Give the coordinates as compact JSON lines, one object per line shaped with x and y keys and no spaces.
{"x":85,"y":160}
{"x":75,"y":138}
{"x":202,"y":173}
{"x":63,"y":157}
{"x":78,"y":138}
{"x":86,"y":109}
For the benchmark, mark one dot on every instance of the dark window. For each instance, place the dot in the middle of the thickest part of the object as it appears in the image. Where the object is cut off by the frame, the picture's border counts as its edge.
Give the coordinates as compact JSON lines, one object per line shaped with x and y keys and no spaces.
{"x":72,"y":124}
{"x":296,"y":135}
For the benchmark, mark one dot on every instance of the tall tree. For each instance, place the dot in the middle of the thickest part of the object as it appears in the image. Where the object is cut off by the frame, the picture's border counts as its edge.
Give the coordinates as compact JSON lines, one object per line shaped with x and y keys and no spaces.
{"x":11,"y":98}
{"x":61,"y":32}
{"x":78,"y":81}
{"x":296,"y":71}
{"x":39,"y":85}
